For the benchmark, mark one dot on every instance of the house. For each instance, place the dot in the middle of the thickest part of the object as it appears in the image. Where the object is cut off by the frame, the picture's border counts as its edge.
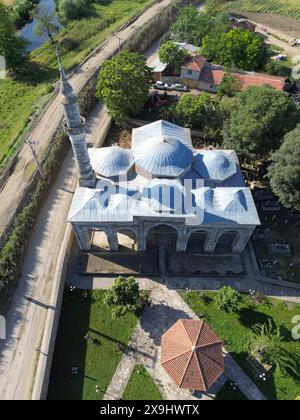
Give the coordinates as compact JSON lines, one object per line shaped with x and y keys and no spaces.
{"x":197,"y":73}
{"x":212,"y":76}
{"x":191,"y":71}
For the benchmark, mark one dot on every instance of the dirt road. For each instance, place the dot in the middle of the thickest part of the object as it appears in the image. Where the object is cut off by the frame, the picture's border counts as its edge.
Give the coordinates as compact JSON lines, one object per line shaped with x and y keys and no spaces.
{"x":43,"y":132}
{"x":26,"y":318}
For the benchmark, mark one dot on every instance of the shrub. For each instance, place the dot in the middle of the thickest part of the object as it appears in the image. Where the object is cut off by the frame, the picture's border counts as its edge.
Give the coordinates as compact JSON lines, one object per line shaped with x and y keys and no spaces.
{"x":72,"y":9}
{"x":227,"y":299}
{"x":124,"y":296}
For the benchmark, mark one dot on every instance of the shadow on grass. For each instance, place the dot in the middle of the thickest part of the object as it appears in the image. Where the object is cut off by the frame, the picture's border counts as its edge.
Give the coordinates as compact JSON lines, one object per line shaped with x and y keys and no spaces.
{"x":70,"y":348}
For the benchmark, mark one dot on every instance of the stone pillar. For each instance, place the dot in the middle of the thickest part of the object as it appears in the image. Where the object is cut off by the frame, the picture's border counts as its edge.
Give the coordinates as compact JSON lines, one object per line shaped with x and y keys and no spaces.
{"x":83,"y":237}
{"x":241,"y":241}
{"x":181,"y":240}
{"x":211,"y":240}
{"x":112,"y":239}
{"x":141,"y":242}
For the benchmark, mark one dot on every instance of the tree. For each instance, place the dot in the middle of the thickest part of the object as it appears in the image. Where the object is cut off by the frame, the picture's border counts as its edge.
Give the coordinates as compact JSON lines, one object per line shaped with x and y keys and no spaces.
{"x":236,"y":48}
{"x":230,"y":85}
{"x":227,"y":299}
{"x":124,"y":83}
{"x":266,"y":345}
{"x":191,"y":26}
{"x":45,"y":24}
{"x":12,"y":47}
{"x":284,"y":172}
{"x":124,"y":295}
{"x":196,"y":111}
{"x":72,"y":9}
{"x":172,"y":54}
{"x":212,"y":7}
{"x":260,"y":119}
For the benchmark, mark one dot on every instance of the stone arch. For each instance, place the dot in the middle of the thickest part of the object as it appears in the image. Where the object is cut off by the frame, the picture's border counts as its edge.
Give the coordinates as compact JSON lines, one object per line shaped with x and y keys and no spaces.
{"x":162,"y":232}
{"x":127,"y":238}
{"x":226,"y":241}
{"x":196,"y":240}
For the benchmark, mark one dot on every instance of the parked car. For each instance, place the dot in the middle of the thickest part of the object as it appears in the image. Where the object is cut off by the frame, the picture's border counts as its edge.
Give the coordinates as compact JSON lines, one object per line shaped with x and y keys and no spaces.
{"x":280,"y":57}
{"x":161,"y":85}
{"x":179,"y":87}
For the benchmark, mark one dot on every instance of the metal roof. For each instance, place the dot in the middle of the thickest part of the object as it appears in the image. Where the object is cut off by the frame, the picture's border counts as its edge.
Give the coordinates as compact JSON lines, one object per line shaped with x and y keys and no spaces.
{"x":203,"y":187}
{"x":111,"y":161}
{"x":161,"y":150}
{"x":215,"y":165}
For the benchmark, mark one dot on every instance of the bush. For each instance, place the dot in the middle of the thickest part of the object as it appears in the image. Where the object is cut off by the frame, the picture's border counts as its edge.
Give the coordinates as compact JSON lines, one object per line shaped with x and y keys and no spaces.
{"x":227,"y":299}
{"x":72,"y":9}
{"x":124,"y":296}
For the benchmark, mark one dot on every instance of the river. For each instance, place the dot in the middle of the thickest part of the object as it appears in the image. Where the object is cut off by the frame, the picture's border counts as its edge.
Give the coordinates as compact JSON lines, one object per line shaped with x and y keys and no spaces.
{"x":27,"y":31}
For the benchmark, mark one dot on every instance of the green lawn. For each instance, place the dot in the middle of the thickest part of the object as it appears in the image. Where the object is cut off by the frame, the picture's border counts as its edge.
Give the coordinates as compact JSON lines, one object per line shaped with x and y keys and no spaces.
{"x":141,"y":386}
{"x":235,"y":330}
{"x":96,"y":361}
{"x":227,"y":392}
{"x":289,"y":8}
{"x":19,"y":99}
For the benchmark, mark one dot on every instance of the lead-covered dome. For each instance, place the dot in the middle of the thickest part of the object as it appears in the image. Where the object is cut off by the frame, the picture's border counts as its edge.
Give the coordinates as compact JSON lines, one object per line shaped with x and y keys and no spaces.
{"x":215,"y":165}
{"x":111,"y":162}
{"x":162,"y":150}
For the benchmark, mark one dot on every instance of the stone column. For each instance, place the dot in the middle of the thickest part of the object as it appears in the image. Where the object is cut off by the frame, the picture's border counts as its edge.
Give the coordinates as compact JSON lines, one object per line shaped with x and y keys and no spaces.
{"x":241,"y":240}
{"x":141,"y":242}
{"x":83,"y":237}
{"x":181,"y":240}
{"x":112,"y":239}
{"x":211,"y":240}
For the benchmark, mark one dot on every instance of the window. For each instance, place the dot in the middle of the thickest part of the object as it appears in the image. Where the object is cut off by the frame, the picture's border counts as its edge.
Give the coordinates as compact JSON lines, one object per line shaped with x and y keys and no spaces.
{"x":190,"y":72}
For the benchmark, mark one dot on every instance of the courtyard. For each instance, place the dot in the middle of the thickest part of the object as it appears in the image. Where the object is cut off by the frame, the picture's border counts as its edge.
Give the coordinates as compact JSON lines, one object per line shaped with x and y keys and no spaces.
{"x":121,"y":358}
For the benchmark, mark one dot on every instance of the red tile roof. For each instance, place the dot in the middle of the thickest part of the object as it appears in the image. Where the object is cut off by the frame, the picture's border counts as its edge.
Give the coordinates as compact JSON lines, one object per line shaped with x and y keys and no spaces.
{"x":191,"y":353}
{"x":215,"y":76}
{"x":195,"y":63}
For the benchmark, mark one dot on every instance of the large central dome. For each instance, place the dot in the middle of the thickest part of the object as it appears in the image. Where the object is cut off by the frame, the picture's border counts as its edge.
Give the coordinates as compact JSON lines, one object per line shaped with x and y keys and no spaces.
{"x":163,"y":153}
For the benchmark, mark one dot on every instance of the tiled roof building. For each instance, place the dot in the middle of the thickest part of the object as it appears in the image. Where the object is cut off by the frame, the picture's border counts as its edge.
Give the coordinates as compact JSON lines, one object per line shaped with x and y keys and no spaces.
{"x":191,"y":353}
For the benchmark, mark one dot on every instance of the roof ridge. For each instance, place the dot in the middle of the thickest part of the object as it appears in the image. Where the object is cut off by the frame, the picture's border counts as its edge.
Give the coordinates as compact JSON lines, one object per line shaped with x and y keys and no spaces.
{"x":187,"y":365}
{"x":175,"y":357}
{"x":210,"y":358}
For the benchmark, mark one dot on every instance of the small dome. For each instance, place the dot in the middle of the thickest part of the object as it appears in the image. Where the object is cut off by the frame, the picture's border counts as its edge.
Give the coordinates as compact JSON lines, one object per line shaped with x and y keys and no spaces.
{"x":215,"y":165}
{"x":163,"y":157}
{"x":111,"y":162}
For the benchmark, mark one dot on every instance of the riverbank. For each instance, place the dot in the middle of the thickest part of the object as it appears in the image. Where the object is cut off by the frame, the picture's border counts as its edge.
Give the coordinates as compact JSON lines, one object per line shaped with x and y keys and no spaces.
{"x":19,"y":99}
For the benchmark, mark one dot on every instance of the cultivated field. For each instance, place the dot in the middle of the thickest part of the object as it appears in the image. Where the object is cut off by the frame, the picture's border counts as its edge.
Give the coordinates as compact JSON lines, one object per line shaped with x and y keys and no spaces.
{"x":283,"y":15}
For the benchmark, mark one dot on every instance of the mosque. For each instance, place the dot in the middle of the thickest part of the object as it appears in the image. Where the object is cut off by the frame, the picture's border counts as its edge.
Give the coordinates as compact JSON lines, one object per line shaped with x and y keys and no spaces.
{"x":161,"y":186}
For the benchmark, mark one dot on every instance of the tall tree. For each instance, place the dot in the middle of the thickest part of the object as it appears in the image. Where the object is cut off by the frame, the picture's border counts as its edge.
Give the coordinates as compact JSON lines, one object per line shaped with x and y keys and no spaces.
{"x":260,"y":119}
{"x":172,"y":54}
{"x":236,"y":48}
{"x":284,"y":172}
{"x":46,"y":23}
{"x":197,"y":112}
{"x":124,"y":83}
{"x":12,"y":47}
{"x":230,"y":85}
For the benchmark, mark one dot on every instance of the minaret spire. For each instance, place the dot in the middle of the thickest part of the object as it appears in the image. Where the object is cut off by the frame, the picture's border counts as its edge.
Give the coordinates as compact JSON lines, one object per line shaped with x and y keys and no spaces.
{"x":74,"y":125}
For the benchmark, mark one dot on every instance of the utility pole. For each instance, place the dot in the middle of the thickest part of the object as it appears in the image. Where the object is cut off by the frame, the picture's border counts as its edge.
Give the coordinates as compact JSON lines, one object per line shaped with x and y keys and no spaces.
{"x":120,"y":39}
{"x":31,"y":144}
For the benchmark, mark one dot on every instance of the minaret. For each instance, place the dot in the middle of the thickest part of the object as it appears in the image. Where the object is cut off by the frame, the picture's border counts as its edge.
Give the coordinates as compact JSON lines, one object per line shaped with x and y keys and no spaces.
{"x":74,"y":125}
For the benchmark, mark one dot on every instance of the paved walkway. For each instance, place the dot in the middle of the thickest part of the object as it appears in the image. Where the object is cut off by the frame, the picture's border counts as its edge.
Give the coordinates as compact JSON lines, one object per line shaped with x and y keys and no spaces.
{"x":242,"y":283}
{"x":166,"y":307}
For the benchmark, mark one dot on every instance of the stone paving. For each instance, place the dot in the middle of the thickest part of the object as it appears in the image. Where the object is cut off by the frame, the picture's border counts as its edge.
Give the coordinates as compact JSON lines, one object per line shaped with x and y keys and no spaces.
{"x":166,"y":307}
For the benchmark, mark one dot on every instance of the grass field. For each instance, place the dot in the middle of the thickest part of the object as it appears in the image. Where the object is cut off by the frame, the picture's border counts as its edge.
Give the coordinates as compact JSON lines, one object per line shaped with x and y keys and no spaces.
{"x":19,"y":99}
{"x":227,"y":393}
{"x":289,"y":8}
{"x":97,"y":360}
{"x":141,"y":386}
{"x":235,"y":330}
